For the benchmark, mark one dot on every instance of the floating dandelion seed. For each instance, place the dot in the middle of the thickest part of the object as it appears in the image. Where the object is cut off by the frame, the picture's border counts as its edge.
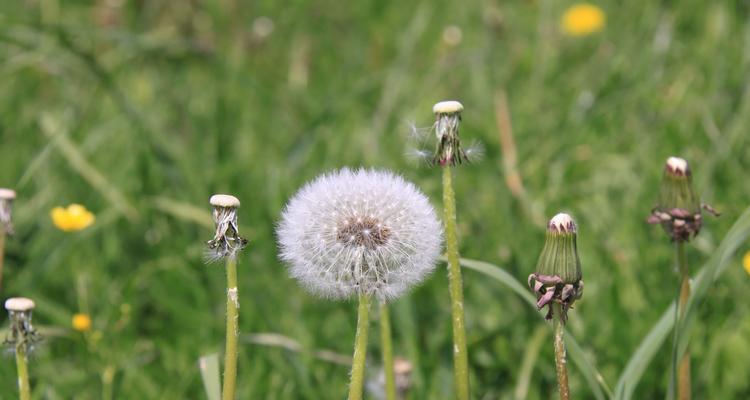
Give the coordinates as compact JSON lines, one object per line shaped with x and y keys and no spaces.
{"x":359,"y":232}
{"x":227,"y":240}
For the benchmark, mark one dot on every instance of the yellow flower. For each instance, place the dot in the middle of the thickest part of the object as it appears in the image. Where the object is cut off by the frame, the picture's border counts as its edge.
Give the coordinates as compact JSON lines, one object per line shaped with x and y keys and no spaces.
{"x":73,"y":218}
{"x":583,"y":19}
{"x":81,"y":322}
{"x":746,"y":262}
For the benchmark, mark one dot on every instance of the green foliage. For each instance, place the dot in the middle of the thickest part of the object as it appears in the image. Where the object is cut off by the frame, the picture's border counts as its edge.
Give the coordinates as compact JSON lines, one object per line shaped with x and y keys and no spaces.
{"x":141,"y":110}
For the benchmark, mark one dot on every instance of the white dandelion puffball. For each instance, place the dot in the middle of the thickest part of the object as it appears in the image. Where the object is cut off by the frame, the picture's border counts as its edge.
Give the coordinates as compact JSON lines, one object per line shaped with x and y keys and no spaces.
{"x":359,"y":232}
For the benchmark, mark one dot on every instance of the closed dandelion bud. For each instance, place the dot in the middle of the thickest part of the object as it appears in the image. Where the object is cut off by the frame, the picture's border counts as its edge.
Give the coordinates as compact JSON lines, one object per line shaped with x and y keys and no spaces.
{"x":21,"y":332}
{"x":6,"y":200}
{"x":558,"y":272}
{"x":679,"y":208}
{"x":227,"y":240}
{"x":363,"y":232}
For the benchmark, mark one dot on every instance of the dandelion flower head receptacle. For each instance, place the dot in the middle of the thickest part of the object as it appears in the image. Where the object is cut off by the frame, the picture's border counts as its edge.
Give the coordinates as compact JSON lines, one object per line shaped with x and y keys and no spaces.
{"x":583,"y":19}
{"x":359,"y":232}
{"x":73,"y":218}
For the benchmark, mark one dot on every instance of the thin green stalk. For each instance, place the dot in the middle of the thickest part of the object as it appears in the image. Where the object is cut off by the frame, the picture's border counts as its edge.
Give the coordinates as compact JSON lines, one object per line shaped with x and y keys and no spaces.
{"x":387,"y":348}
{"x":560,"y":361}
{"x":683,"y":374}
{"x":2,"y":255}
{"x":360,"y":349}
{"x":460,"y":356}
{"x":233,"y":331}
{"x":24,"y":390}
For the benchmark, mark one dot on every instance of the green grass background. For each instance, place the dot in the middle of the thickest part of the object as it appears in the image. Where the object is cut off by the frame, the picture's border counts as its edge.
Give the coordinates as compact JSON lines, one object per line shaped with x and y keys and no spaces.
{"x":140,"y":110}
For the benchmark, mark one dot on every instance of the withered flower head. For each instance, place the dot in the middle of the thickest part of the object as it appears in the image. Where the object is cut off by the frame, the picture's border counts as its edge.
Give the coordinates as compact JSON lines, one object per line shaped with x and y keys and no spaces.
{"x":21,"y":332}
{"x":447,"y":119}
{"x":6,"y":200}
{"x":227,"y":240}
{"x":558,"y":272}
{"x":679,"y":208}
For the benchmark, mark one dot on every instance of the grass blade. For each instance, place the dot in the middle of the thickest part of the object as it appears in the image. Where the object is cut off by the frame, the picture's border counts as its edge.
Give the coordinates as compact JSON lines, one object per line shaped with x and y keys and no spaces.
{"x":593,"y":378}
{"x":209,"y":366}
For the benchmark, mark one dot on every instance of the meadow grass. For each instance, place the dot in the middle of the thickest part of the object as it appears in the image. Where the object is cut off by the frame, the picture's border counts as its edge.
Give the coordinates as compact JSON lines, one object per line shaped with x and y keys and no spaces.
{"x":142,"y":111}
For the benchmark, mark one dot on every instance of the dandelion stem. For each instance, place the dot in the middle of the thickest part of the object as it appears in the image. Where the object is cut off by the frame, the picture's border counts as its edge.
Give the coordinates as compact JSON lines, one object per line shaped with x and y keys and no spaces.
{"x":230,"y":356}
{"x":683,"y":376}
{"x":387,"y":348}
{"x":560,"y":361}
{"x":24,"y":390}
{"x":360,"y":349}
{"x":2,"y":255}
{"x":460,"y":356}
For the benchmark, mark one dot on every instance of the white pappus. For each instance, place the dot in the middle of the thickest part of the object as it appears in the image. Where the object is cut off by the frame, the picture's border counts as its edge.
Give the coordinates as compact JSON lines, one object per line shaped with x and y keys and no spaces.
{"x":359,"y":232}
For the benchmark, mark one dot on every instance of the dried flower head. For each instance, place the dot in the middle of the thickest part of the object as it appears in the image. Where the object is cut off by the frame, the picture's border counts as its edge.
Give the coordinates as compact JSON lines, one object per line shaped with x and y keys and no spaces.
{"x":447,"y":119}
{"x":359,"y":232}
{"x":227,"y":240}
{"x":21,"y":332}
{"x":6,"y":201}
{"x":558,"y":272}
{"x":679,"y":208}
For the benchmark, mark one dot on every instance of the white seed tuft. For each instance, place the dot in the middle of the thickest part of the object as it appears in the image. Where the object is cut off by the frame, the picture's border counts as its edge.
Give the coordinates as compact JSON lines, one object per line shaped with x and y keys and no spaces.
{"x":19,"y":304}
{"x":562,"y":223}
{"x":447,"y":107}
{"x":365,"y":231}
{"x":7,"y":194}
{"x":677,"y":165}
{"x":224,"y":200}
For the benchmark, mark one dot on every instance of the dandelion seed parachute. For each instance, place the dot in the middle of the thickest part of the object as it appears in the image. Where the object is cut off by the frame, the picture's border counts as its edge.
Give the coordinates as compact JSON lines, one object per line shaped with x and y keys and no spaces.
{"x":359,"y":232}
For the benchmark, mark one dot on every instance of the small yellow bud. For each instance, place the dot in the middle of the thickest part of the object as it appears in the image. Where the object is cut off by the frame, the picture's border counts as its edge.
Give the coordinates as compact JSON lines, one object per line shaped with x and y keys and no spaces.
{"x":73,"y":218}
{"x":746,"y":262}
{"x":583,"y":19}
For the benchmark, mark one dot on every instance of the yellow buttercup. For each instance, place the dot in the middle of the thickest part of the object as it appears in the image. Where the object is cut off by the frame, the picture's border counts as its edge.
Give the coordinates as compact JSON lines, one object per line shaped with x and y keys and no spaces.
{"x":583,"y":19}
{"x":73,"y":218}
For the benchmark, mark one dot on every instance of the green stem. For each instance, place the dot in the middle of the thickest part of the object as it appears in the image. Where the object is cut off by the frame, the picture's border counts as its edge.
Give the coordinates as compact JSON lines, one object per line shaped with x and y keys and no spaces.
{"x":2,"y":255}
{"x":387,"y":348}
{"x":24,"y":390}
{"x":460,"y":356}
{"x":360,"y":349}
{"x":560,"y":361}
{"x":683,"y":375}
{"x":233,"y":331}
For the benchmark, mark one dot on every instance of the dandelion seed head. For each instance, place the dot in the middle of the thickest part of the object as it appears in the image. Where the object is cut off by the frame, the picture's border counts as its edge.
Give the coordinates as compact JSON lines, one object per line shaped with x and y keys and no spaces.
{"x":224,"y":200}
{"x":7,"y":194}
{"x":447,"y":107}
{"x":227,"y":240}
{"x":365,"y":231}
{"x":562,"y":222}
{"x":19,"y":304}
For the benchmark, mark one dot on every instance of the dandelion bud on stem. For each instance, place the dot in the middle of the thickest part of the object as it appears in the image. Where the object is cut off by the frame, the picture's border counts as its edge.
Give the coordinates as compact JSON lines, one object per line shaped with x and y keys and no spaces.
{"x":20,"y":338}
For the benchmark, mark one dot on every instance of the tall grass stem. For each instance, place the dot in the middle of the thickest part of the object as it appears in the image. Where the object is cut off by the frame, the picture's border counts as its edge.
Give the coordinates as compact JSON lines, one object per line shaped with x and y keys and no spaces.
{"x":560,"y":361}
{"x":683,"y":374}
{"x":24,"y":390}
{"x":460,"y":356}
{"x":387,"y":349}
{"x":233,"y":331}
{"x":360,"y":349}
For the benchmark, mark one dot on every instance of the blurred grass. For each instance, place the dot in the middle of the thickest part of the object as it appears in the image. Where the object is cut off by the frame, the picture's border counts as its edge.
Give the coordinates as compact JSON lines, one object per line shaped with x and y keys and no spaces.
{"x":173,"y":101}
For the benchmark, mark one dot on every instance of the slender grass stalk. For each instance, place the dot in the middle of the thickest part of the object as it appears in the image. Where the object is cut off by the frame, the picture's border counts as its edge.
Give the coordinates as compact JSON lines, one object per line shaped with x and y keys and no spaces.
{"x":24,"y":389}
{"x":683,"y":374}
{"x":2,"y":255}
{"x":561,"y":363}
{"x":233,"y":331}
{"x":460,"y":356}
{"x":360,"y":349}
{"x":387,"y":348}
